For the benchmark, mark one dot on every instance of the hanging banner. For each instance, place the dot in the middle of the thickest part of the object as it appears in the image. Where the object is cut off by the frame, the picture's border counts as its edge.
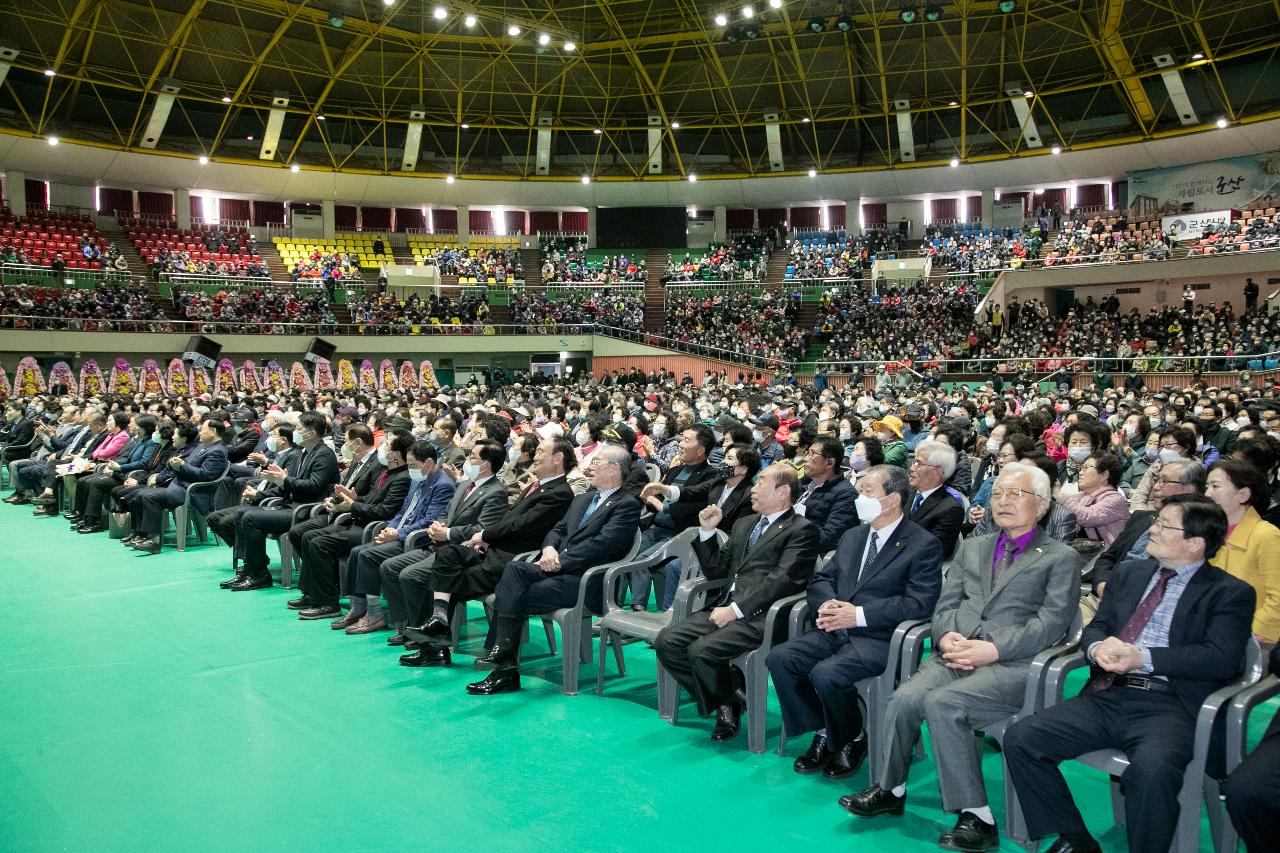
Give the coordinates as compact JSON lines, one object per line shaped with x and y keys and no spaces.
{"x":1191,"y":226}
{"x":1213,"y":185}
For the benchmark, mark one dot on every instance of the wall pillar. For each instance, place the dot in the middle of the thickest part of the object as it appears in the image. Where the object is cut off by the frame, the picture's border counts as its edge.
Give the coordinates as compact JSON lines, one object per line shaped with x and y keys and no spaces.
{"x":720,"y":230}
{"x":15,"y":195}
{"x":182,"y":208}
{"x":988,"y":207}
{"x":464,"y":224}
{"x":328,"y":219}
{"x":591,"y":227}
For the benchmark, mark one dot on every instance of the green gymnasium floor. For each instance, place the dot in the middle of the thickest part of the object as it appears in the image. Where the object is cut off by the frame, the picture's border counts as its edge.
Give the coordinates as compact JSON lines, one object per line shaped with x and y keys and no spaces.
{"x":142,"y":708}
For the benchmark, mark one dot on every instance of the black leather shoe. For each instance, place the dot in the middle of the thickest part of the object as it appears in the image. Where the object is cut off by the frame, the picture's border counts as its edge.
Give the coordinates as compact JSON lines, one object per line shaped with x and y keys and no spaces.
{"x":971,"y":835}
{"x":320,"y":611}
{"x":397,"y":639}
{"x":16,"y":499}
{"x":501,"y":655}
{"x":435,"y":631}
{"x":728,"y":718}
{"x":498,"y":681}
{"x":230,"y":582}
{"x":847,"y":761}
{"x":73,"y":516}
{"x":49,"y":511}
{"x":298,"y":603}
{"x":413,"y":645}
{"x":815,"y":757}
{"x":147,"y":546}
{"x":428,"y":656}
{"x":251,"y":582}
{"x":872,"y":801}
{"x":1064,"y":846}
{"x":91,"y":528}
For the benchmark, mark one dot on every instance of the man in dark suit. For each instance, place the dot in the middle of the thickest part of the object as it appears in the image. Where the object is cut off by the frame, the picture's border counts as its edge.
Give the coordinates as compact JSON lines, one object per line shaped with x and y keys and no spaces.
{"x":1006,"y":598}
{"x":884,"y":571}
{"x":599,"y":527}
{"x":732,"y":495}
{"x":363,"y":471}
{"x":50,"y":483}
{"x":323,"y":548}
{"x":1253,"y":788}
{"x":676,"y":500}
{"x":205,"y":464}
{"x":769,"y":555}
{"x":427,"y":501}
{"x":1170,"y":631}
{"x":933,"y":507}
{"x":18,"y":431}
{"x":479,"y":501}
{"x":473,"y":568}
{"x":1184,"y":477}
{"x":826,"y":498}
{"x":310,"y":478}
{"x":25,"y":474}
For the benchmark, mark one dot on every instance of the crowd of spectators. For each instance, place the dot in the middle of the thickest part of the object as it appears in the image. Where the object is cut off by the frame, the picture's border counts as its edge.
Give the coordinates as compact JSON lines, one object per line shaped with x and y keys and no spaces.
{"x":745,"y":259}
{"x":567,"y":260}
{"x":837,"y":254}
{"x":545,"y":312}
{"x":385,"y":313}
{"x":761,"y":326}
{"x":184,"y":262}
{"x":1078,"y":242}
{"x":981,"y":251}
{"x":479,"y":262}
{"x":107,"y":307}
{"x":254,"y":309}
{"x":1239,"y":235}
{"x":328,"y":266}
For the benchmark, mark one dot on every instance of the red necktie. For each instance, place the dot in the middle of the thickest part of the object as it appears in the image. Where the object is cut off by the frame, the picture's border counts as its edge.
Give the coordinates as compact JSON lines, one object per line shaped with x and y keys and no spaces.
{"x":382,"y":479}
{"x":529,"y":490}
{"x":468,"y":492}
{"x":1133,"y":628}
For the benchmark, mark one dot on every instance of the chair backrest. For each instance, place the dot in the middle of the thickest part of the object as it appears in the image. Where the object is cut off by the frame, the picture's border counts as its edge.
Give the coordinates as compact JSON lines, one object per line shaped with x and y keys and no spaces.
{"x":654,"y":472}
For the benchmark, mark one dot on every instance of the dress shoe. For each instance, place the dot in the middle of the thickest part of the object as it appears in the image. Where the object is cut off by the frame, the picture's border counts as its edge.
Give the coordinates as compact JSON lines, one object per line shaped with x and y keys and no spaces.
{"x":971,"y":835}
{"x":346,"y":621}
{"x":17,"y":500}
{"x":428,"y":656}
{"x":320,"y":611}
{"x":73,"y":516}
{"x":47,"y":511}
{"x":1064,"y":846}
{"x":815,"y":757}
{"x":502,"y":655}
{"x":413,"y":645}
{"x":230,"y":582}
{"x":85,"y":527}
{"x":435,"y":631}
{"x":364,"y":626}
{"x":397,"y":639}
{"x":298,"y":603}
{"x":872,"y":801}
{"x":847,"y":761}
{"x":44,"y":500}
{"x":728,"y":718}
{"x":147,"y":546}
{"x":251,"y":582}
{"x":498,"y":681}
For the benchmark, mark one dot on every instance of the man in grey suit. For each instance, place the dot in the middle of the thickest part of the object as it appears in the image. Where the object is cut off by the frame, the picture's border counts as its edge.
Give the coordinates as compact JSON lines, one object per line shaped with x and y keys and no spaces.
{"x":1007,"y":598}
{"x":479,"y":501}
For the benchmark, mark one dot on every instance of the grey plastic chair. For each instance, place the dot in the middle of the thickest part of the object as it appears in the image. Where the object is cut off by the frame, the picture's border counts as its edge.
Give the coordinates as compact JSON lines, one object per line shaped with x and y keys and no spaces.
{"x":1195,"y":785}
{"x":1243,"y":704}
{"x":654,"y":472}
{"x":619,"y":622}
{"x":874,"y":692}
{"x":13,"y":453}
{"x":184,"y":515}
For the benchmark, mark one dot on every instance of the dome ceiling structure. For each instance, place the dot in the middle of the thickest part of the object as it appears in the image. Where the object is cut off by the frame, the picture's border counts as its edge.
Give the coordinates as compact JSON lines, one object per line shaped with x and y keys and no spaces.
{"x":447,"y":88}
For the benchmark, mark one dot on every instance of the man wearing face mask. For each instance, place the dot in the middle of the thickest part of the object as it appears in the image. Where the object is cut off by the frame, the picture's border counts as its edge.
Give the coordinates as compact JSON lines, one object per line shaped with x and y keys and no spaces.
{"x":1213,"y":431}
{"x":201,"y":464}
{"x":479,"y":501}
{"x":765,"y":430}
{"x":322,"y":549}
{"x":449,"y":453}
{"x":310,"y":476}
{"x":884,"y":571}
{"x":1176,"y":444}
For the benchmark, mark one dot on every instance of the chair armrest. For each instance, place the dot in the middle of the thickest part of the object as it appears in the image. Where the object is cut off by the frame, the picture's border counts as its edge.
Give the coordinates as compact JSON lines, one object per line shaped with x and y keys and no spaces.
{"x":601,"y":569}
{"x":691,"y":590}
{"x":411,"y":541}
{"x":1208,"y":715}
{"x":372,"y":529}
{"x":1238,"y":713}
{"x":317,"y":509}
{"x":778,"y":610}
{"x":302,"y":511}
{"x":1033,"y":697}
{"x":911,"y":645}
{"x":269,"y":503}
{"x":206,"y":484}
{"x":799,"y":623}
{"x":897,"y":644}
{"x":527,"y":557}
{"x":344,"y":517}
{"x":1055,"y":677}
{"x":617,"y":572}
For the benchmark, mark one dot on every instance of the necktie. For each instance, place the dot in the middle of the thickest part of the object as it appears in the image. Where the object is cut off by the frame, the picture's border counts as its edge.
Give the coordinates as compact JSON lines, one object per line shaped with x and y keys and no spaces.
{"x":413,"y":502}
{"x":1002,"y":565}
{"x":873,"y":549}
{"x":529,"y":490}
{"x":591,"y":507}
{"x":471,"y":488}
{"x":915,"y":503}
{"x":757,"y":532}
{"x":382,"y":480}
{"x":1137,"y":622}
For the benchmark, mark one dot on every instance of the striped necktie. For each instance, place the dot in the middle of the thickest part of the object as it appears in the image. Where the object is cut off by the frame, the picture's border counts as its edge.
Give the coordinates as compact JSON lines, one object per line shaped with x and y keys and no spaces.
{"x":757,"y":532}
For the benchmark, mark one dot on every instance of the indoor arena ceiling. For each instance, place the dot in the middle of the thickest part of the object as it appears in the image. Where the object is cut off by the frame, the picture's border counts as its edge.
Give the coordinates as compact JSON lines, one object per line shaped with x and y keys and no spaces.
{"x":835,"y":79}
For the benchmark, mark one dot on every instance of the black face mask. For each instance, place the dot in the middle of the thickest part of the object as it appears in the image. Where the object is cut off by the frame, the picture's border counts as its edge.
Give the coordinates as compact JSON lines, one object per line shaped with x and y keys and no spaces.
{"x":789,"y":450}
{"x":726,"y":470}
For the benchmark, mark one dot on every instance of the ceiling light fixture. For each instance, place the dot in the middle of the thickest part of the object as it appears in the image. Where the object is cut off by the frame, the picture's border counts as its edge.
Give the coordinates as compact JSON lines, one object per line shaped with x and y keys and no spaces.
{"x":597,"y":131}
{"x":953,"y":103}
{"x":748,"y":12}
{"x":907,"y":14}
{"x":775,"y":4}
{"x":49,"y":72}
{"x":1029,"y":94}
{"x":513,"y":31}
{"x":933,"y":13}
{"x":817,"y":25}
{"x":1221,"y":122}
{"x":1007,"y":7}
{"x":570,"y":47}
{"x":226,"y":99}
{"x":295,"y":168}
{"x":1197,"y":55}
{"x":544,"y":39}
{"x":465,"y":126}
{"x":675,"y":125}
{"x":844,"y":23}
{"x":439,"y":13}
{"x":448,"y":179}
{"x":204,"y":161}
{"x":721,"y":19}
{"x":249,"y":138}
{"x":1057,"y":149}
{"x":52,"y":140}
{"x":319,"y":118}
{"x":955,"y":161}
{"x":469,"y":21}
{"x":813,"y":173}
{"x":693,"y":179}
{"x":586,"y":179}
{"x":804,"y":120}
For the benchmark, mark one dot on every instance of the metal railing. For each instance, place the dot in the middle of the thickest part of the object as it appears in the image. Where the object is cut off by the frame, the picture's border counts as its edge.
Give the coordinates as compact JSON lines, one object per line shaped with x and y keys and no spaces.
{"x":42,"y":276}
{"x":1046,"y":367}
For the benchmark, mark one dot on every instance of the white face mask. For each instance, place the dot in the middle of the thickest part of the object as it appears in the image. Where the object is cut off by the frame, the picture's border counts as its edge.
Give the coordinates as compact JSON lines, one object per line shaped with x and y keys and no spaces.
{"x":347,"y":453}
{"x":1130,"y":430}
{"x":382,"y":456}
{"x":1243,"y":420}
{"x":993,"y":447}
{"x":757,"y":436}
{"x":1168,"y":454}
{"x":416,"y":475}
{"x":869,"y":509}
{"x":659,"y":431}
{"x":470,"y":470}
{"x":583,"y":436}
{"x":857,"y":463}
{"x":990,"y":421}
{"x":513,"y":454}
{"x":271,"y":443}
{"x":845,"y":433}
{"x":1078,"y":454}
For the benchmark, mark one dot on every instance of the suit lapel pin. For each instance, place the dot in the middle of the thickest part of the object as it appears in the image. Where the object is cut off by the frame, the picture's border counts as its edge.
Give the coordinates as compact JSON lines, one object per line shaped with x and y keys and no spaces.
{"x":1039,"y":551}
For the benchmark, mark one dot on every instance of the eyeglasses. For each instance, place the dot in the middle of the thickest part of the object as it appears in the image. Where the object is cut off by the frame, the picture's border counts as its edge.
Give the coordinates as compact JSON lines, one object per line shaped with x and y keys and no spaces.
{"x":1165,"y":481}
{"x":916,"y":463}
{"x":1161,"y":525}
{"x":998,"y":494}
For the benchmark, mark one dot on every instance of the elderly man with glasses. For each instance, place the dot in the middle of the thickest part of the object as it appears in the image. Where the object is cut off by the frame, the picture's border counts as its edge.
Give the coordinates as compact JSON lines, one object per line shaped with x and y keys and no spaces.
{"x":932,"y":505}
{"x":1007,"y":598}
